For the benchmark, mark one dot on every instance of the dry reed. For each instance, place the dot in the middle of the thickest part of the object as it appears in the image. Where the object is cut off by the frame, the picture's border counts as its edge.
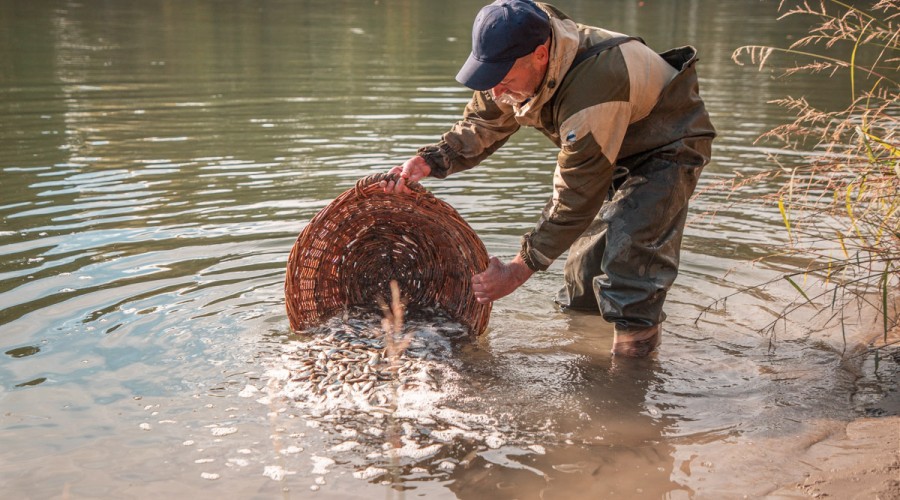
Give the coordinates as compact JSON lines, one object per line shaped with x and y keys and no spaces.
{"x":840,"y":205}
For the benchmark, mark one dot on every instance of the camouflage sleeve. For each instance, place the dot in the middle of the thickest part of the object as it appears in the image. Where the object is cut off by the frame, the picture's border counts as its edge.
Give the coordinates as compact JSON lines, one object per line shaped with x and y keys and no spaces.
{"x":580,"y":183}
{"x":485,"y":127}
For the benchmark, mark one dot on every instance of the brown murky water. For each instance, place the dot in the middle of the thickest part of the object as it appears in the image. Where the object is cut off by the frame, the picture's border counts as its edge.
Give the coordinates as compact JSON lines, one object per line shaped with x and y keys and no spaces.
{"x":158,"y":160}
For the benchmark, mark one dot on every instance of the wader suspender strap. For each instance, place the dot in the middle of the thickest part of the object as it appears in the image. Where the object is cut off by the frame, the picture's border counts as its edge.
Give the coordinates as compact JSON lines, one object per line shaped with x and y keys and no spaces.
{"x":594,"y":50}
{"x":589,"y":52}
{"x":600,"y":47}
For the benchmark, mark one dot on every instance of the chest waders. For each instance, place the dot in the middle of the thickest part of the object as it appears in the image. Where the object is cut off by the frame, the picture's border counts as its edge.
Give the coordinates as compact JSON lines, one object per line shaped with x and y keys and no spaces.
{"x":626,"y":261}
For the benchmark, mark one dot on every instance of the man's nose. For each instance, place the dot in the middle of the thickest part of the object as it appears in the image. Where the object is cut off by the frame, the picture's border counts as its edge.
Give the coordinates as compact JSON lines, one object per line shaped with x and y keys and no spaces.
{"x":498,"y":91}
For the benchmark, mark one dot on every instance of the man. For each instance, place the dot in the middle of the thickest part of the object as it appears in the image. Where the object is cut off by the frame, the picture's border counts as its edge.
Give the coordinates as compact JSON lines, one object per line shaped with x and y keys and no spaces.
{"x":633,"y":136}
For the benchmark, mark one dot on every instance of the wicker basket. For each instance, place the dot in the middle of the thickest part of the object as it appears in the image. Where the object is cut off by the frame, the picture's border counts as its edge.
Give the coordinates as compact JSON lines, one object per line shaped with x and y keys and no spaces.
{"x":353,"y":248}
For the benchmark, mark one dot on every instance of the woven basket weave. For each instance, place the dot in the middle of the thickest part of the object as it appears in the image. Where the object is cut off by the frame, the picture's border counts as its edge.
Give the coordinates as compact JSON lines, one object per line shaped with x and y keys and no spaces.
{"x":351,"y":250}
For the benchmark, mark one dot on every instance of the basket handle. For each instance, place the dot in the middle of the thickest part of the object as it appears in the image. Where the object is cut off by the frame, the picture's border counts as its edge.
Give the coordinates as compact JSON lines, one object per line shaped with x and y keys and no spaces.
{"x":375,"y":179}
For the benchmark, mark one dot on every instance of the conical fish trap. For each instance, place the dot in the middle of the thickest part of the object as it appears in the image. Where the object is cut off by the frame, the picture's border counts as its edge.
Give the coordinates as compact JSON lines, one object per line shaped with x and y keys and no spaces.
{"x":353,"y":248}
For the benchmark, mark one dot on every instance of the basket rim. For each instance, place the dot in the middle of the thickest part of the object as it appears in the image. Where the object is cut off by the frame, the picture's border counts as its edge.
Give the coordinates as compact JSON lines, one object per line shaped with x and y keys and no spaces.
{"x":367,"y":193}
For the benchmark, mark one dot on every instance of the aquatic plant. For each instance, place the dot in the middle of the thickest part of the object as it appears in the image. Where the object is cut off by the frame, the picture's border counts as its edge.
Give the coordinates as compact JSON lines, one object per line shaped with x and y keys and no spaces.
{"x":840,"y":203}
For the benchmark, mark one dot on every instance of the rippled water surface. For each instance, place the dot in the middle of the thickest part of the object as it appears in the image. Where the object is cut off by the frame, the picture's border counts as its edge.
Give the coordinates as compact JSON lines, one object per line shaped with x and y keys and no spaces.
{"x":159,"y":159}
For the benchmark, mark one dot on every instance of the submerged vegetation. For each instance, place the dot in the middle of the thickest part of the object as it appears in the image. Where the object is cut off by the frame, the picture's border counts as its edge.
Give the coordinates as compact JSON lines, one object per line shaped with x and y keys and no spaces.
{"x":841,"y":202}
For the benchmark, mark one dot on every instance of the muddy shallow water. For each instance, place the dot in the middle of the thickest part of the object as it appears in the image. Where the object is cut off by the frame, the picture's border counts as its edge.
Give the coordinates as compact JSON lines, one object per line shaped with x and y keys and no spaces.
{"x":158,"y":162}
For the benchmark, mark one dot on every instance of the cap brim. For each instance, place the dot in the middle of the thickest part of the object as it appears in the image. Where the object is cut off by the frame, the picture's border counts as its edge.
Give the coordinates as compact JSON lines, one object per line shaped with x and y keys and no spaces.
{"x":478,"y":75}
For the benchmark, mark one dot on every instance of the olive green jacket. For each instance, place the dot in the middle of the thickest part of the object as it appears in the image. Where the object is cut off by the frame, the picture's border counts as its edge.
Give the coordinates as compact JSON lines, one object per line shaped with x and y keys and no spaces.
{"x":625,"y":103}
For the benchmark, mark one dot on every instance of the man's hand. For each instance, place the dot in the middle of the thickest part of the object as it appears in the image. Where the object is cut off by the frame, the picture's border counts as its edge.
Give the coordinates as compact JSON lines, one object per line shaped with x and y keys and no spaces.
{"x":499,"y":279}
{"x":412,"y":170}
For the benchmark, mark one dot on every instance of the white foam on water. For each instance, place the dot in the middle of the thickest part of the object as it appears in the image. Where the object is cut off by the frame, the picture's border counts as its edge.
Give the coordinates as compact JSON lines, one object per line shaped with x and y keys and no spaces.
{"x":248,"y":392}
{"x":412,"y":449}
{"x":369,"y":472}
{"x":276,"y":472}
{"x":321,"y":464}
{"x":419,"y":405}
{"x":540,"y":450}
{"x":494,"y":440}
{"x":345,"y":446}
{"x":223,"y":431}
{"x":451,"y":433}
{"x":280,"y":374}
{"x":447,"y":465}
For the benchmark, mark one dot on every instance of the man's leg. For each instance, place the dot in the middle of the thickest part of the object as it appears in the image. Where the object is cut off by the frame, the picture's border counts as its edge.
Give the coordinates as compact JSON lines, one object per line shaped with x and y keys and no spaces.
{"x":584,"y":261}
{"x":583,"y":264}
{"x":644,"y":227}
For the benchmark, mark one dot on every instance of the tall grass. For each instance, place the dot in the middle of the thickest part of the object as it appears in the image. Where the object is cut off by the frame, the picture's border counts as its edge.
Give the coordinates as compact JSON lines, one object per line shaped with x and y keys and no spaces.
{"x":841,"y":204}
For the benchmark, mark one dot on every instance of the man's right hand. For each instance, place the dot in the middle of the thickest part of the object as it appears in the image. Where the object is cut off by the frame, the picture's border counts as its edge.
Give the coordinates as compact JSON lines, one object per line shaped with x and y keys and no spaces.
{"x":412,"y":170}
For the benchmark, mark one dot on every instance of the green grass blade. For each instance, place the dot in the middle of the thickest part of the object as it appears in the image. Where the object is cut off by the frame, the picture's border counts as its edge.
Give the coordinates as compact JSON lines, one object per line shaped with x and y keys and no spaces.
{"x":795,"y":285}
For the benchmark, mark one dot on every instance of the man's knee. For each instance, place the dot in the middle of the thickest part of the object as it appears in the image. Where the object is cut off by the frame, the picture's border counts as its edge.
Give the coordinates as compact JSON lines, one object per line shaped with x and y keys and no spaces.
{"x":576,"y":298}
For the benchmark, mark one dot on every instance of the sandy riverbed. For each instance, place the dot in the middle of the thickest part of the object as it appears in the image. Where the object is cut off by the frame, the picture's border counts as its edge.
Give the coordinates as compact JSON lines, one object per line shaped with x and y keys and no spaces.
{"x":862,"y":461}
{"x":858,"y":460}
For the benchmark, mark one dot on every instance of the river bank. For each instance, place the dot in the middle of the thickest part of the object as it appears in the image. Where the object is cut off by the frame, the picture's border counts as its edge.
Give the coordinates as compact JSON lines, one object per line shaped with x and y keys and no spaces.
{"x":857,"y":460}
{"x":860,"y":461}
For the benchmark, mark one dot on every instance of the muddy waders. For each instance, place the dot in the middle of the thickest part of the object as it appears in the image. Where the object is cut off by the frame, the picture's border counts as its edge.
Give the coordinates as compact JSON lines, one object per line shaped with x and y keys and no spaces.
{"x":625,"y":262}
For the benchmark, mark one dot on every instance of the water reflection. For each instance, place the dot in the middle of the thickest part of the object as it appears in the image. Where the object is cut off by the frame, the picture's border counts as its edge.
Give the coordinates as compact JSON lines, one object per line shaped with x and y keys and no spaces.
{"x":604,"y":441}
{"x":581,"y":424}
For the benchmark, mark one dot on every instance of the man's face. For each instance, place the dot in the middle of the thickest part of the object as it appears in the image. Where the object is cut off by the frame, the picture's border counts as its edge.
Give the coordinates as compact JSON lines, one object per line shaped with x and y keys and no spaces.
{"x":522,"y":81}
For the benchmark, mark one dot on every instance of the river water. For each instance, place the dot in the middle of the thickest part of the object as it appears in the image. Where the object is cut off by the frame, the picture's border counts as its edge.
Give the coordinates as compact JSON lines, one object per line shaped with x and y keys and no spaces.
{"x":159,"y":159}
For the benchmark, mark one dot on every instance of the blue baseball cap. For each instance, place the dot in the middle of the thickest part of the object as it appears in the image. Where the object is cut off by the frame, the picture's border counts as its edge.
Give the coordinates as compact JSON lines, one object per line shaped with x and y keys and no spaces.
{"x":503,"y":32}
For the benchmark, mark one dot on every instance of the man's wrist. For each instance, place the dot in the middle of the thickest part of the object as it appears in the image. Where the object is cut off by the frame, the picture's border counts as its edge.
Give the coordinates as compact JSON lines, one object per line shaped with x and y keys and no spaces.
{"x":529,"y":262}
{"x":520,"y":268}
{"x":440,"y":157}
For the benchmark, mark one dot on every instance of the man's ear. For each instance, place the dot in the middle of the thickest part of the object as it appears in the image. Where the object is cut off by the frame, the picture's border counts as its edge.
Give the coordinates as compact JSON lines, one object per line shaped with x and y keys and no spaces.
{"x":542,"y":52}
